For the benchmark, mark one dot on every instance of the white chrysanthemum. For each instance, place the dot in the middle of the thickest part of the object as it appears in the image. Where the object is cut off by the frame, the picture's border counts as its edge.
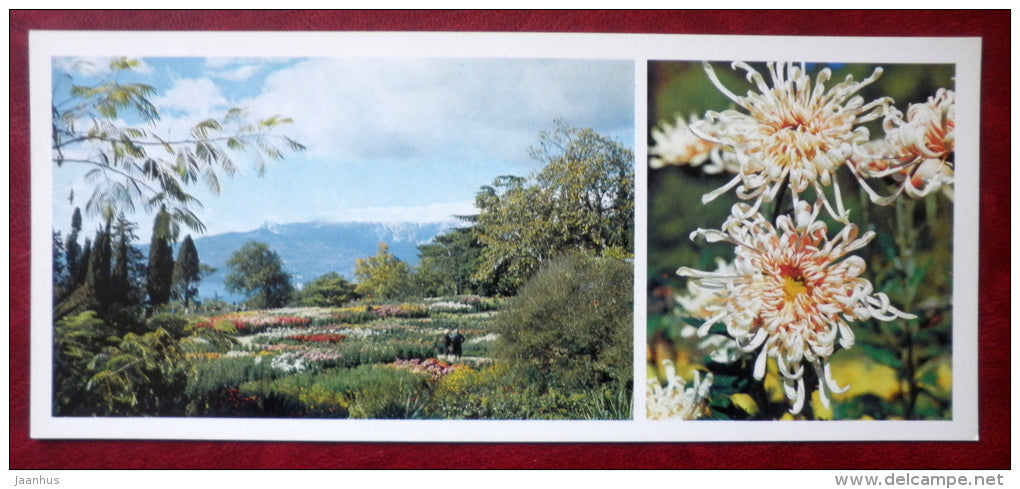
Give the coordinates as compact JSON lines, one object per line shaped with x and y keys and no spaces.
{"x":702,"y":303}
{"x":796,"y":132}
{"x":719,"y":347}
{"x":917,"y":151}
{"x":791,"y":293}
{"x":677,"y":145}
{"x":677,"y":400}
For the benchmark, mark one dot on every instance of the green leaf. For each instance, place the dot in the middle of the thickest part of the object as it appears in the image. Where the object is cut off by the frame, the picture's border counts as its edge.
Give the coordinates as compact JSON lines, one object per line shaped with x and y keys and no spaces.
{"x":883,"y":356}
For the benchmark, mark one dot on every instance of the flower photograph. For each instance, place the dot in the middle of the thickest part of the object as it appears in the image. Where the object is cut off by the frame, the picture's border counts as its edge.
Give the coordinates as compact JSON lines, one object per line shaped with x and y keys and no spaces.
{"x":800,"y":241}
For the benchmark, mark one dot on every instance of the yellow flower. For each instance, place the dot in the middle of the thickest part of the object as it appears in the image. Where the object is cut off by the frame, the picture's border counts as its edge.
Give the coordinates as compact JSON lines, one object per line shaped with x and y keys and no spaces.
{"x":795,"y":132}
{"x":791,"y":292}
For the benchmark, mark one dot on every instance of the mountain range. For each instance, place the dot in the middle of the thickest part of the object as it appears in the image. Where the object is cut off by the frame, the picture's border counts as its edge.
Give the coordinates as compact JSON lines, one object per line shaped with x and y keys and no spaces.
{"x":309,"y":250}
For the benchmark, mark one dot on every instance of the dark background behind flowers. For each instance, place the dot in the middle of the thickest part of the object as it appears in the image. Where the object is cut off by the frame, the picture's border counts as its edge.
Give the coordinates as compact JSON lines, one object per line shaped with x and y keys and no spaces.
{"x":992,"y":451}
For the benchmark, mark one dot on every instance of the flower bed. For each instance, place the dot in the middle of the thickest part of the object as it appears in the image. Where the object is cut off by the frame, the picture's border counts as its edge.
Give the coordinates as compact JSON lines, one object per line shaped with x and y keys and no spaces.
{"x":318,"y":338}
{"x":437,"y":369}
{"x":247,"y":323}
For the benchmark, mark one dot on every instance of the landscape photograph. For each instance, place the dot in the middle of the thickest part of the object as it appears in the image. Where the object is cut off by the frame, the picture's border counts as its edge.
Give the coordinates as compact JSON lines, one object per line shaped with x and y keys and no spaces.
{"x":364,"y":238}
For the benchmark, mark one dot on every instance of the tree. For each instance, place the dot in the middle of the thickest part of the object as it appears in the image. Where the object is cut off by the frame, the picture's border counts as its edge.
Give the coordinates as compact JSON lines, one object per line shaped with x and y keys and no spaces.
{"x":571,"y":325}
{"x":159,"y":280}
{"x":582,"y":200}
{"x":188,"y":271}
{"x":99,"y":277}
{"x":59,"y":265}
{"x":257,"y":271}
{"x":329,"y":290}
{"x":134,"y":165}
{"x":445,"y":265}
{"x":128,"y":266}
{"x":73,"y":253}
{"x":382,"y":276}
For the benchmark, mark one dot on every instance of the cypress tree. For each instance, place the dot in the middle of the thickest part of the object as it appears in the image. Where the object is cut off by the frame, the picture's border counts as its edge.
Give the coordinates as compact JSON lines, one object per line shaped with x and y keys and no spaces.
{"x":99,"y":267}
{"x":159,"y":279}
{"x":187,"y":271}
{"x":59,"y":265}
{"x":73,"y":256}
{"x":127,"y":264}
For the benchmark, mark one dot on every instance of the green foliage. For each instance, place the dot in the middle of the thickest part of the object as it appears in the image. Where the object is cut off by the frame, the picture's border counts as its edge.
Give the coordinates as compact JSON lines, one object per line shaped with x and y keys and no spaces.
{"x":77,"y":339}
{"x":175,"y":324}
{"x":159,"y":280}
{"x":127,"y":275}
{"x":211,"y":376}
{"x":446,"y":265}
{"x":369,"y":392}
{"x":495,"y":392}
{"x":59,"y":263}
{"x":134,"y":165}
{"x":583,"y":199}
{"x":354,"y":354}
{"x":187,"y":272}
{"x":98,"y":279}
{"x":383,"y":392}
{"x":69,"y":261}
{"x":570,"y":328}
{"x":141,"y":374}
{"x":97,"y":373}
{"x":329,"y":290}
{"x":257,"y":271}
{"x":383,"y":276}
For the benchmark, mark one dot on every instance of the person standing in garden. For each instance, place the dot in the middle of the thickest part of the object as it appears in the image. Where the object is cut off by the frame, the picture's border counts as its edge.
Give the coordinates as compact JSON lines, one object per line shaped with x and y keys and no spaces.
{"x":456,"y":341}
{"x":447,"y":347}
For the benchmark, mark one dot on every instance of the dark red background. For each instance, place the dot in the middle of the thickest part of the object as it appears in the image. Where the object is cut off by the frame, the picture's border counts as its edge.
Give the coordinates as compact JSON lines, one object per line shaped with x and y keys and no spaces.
{"x":991,"y":452}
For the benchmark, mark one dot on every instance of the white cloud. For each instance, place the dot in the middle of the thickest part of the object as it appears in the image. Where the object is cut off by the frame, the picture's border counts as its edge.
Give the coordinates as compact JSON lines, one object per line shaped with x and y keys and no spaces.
{"x":237,"y":73}
{"x":192,"y":97}
{"x":402,"y":109}
{"x":93,"y":66}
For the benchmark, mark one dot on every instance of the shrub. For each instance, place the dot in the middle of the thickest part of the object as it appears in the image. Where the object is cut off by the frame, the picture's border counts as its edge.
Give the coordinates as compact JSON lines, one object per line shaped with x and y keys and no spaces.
{"x":220,"y":373}
{"x":175,"y":324}
{"x":570,"y":327}
{"x":369,"y":391}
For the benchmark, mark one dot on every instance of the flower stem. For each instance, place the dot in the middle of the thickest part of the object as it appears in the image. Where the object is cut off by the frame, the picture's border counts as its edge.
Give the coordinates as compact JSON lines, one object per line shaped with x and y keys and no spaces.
{"x":780,"y":196}
{"x":906,"y":238}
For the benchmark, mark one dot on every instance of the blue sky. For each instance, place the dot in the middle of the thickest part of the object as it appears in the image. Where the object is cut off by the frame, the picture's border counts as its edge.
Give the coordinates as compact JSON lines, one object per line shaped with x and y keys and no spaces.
{"x":387,"y":139}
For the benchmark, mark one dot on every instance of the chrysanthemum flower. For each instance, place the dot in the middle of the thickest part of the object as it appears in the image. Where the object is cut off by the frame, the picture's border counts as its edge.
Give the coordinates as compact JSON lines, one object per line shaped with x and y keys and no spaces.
{"x":676,"y":400}
{"x":917,"y":151}
{"x":795,"y":132}
{"x":702,"y":303}
{"x":791,"y":293}
{"x":675,"y":144}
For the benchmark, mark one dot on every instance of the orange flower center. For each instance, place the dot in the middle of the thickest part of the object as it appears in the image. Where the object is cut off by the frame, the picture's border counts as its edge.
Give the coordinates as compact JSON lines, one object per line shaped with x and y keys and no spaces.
{"x":794,"y":282}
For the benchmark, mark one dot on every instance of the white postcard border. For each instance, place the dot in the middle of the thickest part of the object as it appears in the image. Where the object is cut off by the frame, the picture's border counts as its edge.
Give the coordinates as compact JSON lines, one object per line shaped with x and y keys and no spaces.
{"x":965,"y":53}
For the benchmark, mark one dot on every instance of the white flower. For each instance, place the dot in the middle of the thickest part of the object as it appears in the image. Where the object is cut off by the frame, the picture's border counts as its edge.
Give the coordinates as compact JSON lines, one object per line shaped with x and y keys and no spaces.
{"x":450,"y":306}
{"x":796,"y":132}
{"x":791,"y":293}
{"x":676,"y":400}
{"x":288,"y":363}
{"x":677,"y":145}
{"x":917,"y":151}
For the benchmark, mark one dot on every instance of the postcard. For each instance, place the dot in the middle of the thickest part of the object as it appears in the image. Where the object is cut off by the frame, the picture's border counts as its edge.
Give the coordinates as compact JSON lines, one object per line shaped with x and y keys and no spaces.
{"x":485,"y":237}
